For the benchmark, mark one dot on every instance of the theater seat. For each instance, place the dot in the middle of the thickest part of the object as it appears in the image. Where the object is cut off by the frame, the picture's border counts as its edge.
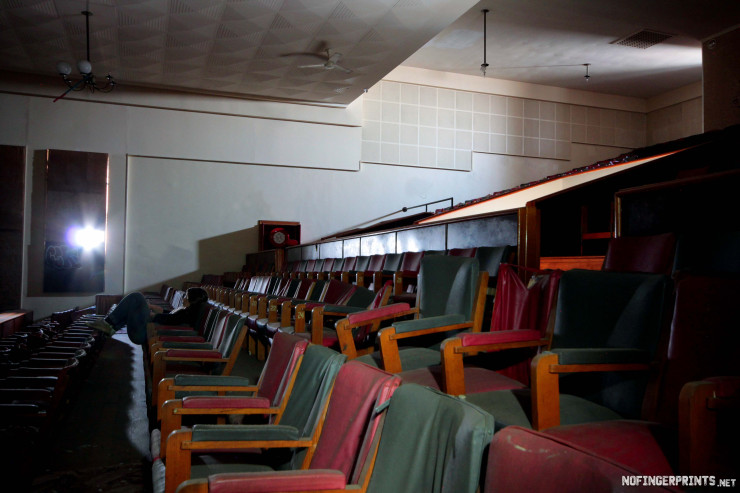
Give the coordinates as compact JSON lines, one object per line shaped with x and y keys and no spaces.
{"x":604,"y":344}
{"x":439,"y":450}
{"x":300,"y":420}
{"x":450,"y":299}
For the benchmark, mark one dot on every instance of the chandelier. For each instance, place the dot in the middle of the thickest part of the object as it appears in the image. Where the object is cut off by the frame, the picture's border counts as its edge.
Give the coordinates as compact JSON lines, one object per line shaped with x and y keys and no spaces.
{"x":87,"y":80}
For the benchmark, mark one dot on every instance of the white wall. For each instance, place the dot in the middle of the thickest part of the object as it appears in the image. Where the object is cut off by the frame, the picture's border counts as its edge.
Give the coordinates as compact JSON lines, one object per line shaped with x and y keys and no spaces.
{"x":191,"y":175}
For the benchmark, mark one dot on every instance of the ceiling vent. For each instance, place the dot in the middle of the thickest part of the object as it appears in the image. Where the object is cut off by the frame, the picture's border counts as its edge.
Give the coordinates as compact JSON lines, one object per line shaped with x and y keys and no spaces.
{"x":643,"y":39}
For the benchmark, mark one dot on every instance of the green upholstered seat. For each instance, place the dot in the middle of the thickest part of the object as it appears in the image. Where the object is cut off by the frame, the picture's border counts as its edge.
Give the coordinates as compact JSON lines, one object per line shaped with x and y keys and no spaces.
{"x":430,"y":442}
{"x":601,"y":318}
{"x":447,"y":290}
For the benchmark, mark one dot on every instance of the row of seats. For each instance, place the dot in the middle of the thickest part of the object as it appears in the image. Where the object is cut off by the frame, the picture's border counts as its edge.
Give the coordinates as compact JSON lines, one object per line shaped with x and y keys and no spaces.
{"x":373,"y":271}
{"x":42,"y":367}
{"x":611,"y":346}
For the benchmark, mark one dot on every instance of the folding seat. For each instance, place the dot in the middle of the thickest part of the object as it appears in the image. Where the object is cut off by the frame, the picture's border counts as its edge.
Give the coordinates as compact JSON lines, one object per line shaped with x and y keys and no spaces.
{"x":450,"y":298}
{"x":218,"y":361}
{"x":299,"y":424}
{"x":519,"y":325}
{"x":286,"y":351}
{"x":404,"y":279}
{"x":165,"y":336}
{"x":307,"y":268}
{"x":490,"y":259}
{"x":350,"y":268}
{"x":337,"y":267}
{"x":651,"y":254}
{"x":369,"y":276}
{"x":324,"y":317}
{"x":326,"y":268}
{"x":270,"y":392}
{"x":429,"y":442}
{"x":331,"y":292}
{"x":688,"y":424}
{"x":605,"y":338}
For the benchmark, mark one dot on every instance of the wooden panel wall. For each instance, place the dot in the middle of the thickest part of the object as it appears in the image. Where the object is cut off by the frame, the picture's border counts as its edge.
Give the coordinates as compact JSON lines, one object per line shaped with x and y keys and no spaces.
{"x":12,"y":185}
{"x":494,"y":230}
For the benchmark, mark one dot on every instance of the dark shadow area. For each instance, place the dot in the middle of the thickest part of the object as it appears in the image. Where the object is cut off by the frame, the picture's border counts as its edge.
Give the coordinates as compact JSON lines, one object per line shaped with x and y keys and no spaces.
{"x":102,"y":441}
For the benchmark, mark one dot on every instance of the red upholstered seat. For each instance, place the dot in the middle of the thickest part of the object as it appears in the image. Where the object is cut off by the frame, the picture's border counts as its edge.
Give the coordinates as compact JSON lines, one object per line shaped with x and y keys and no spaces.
{"x":649,"y":254}
{"x":340,"y":443}
{"x":526,"y":461}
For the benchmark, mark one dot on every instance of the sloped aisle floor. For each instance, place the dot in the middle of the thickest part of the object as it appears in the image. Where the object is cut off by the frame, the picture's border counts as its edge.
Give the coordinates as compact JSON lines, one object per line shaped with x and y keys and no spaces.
{"x":102,"y":444}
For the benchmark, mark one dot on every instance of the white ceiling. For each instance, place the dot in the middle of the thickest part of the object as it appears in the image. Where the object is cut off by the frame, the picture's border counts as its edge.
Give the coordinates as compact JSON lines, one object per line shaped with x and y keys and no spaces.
{"x":237,"y":46}
{"x":548,"y":41}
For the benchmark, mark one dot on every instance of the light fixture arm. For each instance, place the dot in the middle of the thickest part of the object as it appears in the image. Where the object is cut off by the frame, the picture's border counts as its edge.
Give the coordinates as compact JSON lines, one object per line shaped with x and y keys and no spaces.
{"x":484,"y":65}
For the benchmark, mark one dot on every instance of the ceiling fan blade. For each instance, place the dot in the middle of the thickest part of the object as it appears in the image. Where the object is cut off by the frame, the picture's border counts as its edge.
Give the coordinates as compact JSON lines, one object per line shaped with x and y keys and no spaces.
{"x":343,"y":69}
{"x":335,"y":57}
{"x":305,"y":53}
{"x":318,"y":65}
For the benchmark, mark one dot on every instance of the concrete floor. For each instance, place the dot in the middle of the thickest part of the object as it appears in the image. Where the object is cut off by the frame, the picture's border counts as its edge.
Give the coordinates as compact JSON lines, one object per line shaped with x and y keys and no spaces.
{"x":102,"y":443}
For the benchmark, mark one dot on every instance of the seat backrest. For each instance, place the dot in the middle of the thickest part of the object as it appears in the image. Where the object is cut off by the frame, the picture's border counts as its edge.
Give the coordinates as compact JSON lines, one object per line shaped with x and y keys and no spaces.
{"x":284,"y":351}
{"x":411,"y":262}
{"x":428,"y":253}
{"x":462,"y":252}
{"x":339,"y":263}
{"x":219,"y":325}
{"x":358,"y":390}
{"x":312,"y":386}
{"x":318,"y":289}
{"x":310,"y":264}
{"x":335,"y":290}
{"x":274,"y":284}
{"x":375,"y":263}
{"x":301,"y":289}
{"x":491,"y":257}
{"x":392,"y":262}
{"x":361,"y":263}
{"x":430,"y":442}
{"x":232,"y":328}
{"x":608,"y":310}
{"x":361,"y":297}
{"x":319,"y":265}
{"x":704,"y":339}
{"x":524,"y":461}
{"x":447,"y":285}
{"x":651,"y":254}
{"x":328,"y":265}
{"x":524,"y":306}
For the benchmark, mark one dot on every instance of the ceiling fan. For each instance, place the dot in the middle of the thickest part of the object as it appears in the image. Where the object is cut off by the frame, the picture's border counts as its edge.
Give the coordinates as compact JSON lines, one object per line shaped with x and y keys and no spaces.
{"x":330,"y":60}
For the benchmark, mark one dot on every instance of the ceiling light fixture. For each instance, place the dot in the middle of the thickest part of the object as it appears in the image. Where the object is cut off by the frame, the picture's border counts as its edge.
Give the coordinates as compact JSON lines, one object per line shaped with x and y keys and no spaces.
{"x":484,"y":65}
{"x":85,"y":67}
{"x":587,"y":77}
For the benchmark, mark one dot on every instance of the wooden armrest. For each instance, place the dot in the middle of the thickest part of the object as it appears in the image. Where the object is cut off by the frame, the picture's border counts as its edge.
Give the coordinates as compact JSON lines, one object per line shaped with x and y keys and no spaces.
{"x":172,"y":412}
{"x":180,"y":444}
{"x":700,"y":404}
{"x":545,"y":371}
{"x":453,"y":350}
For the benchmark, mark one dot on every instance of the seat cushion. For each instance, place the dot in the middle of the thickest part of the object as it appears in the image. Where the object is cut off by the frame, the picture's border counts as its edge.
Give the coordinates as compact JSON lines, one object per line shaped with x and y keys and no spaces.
{"x":513,"y":407}
{"x":476,"y":379}
{"x":411,"y":358}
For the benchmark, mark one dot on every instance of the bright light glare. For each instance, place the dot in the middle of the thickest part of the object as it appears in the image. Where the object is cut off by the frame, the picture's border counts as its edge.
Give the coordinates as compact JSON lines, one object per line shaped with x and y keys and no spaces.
{"x":87,"y":238}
